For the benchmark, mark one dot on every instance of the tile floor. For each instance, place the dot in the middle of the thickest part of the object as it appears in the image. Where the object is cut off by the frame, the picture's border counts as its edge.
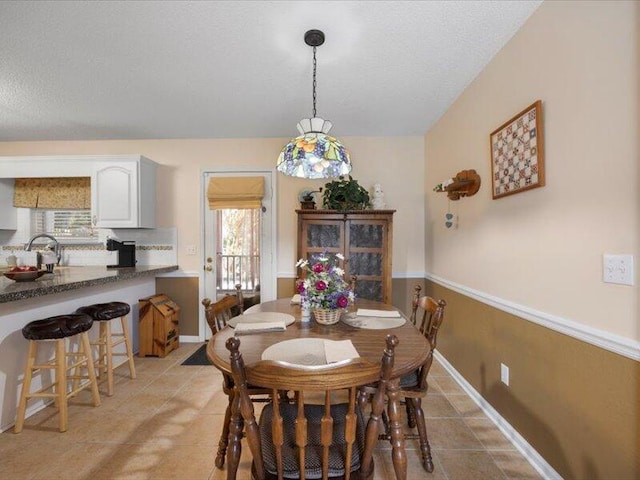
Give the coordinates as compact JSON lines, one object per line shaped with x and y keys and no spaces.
{"x":165,"y":425}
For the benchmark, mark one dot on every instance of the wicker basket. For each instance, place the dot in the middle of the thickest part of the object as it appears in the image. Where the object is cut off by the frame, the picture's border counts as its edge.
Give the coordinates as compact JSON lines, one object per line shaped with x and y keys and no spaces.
{"x":327,"y":316}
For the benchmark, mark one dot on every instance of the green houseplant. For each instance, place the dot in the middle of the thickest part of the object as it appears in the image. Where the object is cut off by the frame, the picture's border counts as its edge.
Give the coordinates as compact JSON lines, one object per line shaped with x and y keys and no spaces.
{"x":345,"y":195}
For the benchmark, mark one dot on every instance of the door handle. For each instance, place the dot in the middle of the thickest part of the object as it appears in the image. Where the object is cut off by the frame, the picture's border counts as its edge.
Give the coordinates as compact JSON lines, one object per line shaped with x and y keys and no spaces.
{"x":208,"y":268}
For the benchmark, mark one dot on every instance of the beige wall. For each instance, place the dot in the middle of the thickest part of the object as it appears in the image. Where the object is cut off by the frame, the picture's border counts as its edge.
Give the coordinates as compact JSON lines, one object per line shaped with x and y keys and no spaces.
{"x":576,"y":404}
{"x":397,"y":163}
{"x":543,"y":248}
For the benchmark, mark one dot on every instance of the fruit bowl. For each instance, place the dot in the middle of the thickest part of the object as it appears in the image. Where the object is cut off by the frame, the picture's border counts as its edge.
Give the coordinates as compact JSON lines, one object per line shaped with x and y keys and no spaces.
{"x":25,"y":276}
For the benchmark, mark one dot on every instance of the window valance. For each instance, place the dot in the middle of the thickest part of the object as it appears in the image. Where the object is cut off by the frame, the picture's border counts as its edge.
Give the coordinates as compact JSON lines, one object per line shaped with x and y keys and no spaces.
{"x":235,"y":192}
{"x":62,"y":193}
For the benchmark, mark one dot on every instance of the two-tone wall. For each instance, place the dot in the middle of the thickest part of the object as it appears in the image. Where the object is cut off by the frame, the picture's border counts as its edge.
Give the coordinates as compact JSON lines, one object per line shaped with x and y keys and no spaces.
{"x":522,"y":274}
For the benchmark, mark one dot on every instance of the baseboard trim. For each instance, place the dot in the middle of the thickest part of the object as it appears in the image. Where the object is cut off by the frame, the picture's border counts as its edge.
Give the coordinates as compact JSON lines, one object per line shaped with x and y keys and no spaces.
{"x":190,"y":339}
{"x":608,"y":341}
{"x":518,"y":441}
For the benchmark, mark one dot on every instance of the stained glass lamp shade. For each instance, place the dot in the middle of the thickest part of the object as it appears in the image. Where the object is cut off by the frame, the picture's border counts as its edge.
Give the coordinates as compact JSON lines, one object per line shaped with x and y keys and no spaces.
{"x":314,"y":154}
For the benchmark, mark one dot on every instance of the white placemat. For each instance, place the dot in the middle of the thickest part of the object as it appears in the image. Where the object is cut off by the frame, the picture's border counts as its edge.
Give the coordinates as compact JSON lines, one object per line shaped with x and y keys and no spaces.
{"x":310,"y":352}
{"x":260,"y":317}
{"x":253,"y":309}
{"x":365,"y":312}
{"x":372,"y":323}
{"x":298,"y":351}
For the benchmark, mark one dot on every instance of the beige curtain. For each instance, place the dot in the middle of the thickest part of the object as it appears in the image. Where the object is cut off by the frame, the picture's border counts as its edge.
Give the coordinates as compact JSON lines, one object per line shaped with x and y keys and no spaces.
{"x":63,"y":193}
{"x":235,"y":192}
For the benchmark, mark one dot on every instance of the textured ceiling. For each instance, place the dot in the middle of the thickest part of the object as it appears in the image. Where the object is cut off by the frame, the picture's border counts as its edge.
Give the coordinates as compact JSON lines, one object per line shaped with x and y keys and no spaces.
{"x":124,"y":70}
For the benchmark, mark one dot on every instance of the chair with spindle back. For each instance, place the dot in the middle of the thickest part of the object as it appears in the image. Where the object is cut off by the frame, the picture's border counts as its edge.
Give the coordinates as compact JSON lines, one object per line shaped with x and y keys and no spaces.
{"x":217,"y":315}
{"x":427,"y":315}
{"x":315,"y":432}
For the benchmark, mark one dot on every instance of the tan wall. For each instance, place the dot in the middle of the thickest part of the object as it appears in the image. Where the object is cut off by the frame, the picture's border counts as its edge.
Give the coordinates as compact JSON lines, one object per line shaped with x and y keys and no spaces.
{"x":183,"y":291}
{"x":576,"y":404}
{"x":543,"y":248}
{"x":179,"y":182}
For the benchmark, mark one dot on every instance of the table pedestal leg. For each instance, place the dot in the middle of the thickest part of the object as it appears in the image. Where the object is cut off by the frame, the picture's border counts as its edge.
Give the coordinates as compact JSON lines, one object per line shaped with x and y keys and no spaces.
{"x":398,"y":453}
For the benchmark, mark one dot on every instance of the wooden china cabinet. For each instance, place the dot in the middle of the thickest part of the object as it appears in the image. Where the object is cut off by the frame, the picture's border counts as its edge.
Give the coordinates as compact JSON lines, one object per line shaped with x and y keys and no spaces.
{"x":362,"y":236}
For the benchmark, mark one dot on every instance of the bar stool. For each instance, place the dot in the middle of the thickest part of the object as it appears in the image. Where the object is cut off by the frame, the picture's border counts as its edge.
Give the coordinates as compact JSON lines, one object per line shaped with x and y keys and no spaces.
{"x":104,"y":313}
{"x":58,"y":329}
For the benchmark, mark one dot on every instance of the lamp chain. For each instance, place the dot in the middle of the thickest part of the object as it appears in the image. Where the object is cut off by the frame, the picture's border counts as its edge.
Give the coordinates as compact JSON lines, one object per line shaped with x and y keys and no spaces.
{"x":314,"y":82}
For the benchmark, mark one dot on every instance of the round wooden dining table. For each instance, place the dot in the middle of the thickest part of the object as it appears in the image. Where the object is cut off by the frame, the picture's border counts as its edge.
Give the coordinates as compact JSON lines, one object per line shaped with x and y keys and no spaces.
{"x":410,"y":353}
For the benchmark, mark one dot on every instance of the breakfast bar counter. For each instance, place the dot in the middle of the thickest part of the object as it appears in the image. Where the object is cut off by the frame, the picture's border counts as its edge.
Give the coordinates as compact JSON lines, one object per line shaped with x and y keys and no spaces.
{"x":72,"y":278}
{"x":61,"y":293}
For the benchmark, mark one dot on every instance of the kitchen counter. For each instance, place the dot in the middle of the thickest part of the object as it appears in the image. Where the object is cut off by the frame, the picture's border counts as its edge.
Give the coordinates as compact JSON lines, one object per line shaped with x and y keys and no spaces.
{"x":72,"y":278}
{"x":61,"y":293}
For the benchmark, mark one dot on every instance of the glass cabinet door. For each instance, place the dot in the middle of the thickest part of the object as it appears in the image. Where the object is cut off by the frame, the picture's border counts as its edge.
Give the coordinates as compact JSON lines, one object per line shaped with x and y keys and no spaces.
{"x":366,"y":257}
{"x":363,"y":238}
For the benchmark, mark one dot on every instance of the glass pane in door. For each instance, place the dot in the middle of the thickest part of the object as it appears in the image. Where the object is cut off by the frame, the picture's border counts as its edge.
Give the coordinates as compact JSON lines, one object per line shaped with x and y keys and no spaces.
{"x":238,"y":260}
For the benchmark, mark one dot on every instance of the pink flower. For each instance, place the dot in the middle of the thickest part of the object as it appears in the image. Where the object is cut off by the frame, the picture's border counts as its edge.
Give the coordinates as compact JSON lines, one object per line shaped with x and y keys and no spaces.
{"x":318,"y":268}
{"x":343,"y":302}
{"x":320,"y":285}
{"x":300,"y":287}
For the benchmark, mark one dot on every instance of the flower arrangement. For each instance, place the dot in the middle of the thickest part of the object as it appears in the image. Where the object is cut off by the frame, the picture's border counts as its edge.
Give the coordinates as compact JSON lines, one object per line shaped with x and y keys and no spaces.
{"x":324,"y":286}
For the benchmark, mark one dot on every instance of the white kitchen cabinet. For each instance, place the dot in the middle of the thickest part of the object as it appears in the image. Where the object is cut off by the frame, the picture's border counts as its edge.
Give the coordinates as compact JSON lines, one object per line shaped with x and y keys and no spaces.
{"x":123,"y":193}
{"x":8,"y":213}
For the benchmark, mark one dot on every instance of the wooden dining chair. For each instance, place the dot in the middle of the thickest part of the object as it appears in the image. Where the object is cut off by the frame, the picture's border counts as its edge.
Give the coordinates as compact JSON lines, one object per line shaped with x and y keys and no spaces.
{"x":318,"y":430}
{"x":427,"y":315}
{"x":217,"y":315}
{"x":220,"y":312}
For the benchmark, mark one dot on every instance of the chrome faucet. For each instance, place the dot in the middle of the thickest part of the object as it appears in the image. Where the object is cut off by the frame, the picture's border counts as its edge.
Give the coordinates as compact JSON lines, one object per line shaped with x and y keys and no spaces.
{"x":56,"y":247}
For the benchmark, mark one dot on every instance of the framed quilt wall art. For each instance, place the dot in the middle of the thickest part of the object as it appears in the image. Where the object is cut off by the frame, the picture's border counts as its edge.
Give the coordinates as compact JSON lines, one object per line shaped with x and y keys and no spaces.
{"x":517,"y":153}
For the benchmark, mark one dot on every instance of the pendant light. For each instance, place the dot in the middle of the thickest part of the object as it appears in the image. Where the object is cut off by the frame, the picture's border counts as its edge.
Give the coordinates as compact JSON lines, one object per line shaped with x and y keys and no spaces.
{"x":314,"y":154}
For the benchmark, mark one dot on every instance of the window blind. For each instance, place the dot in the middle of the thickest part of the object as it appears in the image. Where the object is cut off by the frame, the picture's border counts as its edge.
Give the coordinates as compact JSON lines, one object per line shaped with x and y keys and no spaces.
{"x":235,"y":192}
{"x":64,"y":223}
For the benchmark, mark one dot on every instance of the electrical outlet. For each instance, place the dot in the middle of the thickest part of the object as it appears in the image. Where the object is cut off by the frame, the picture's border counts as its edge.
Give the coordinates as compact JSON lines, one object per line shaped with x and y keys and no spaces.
{"x":617,"y":269}
{"x":504,"y":374}
{"x":191,"y":250}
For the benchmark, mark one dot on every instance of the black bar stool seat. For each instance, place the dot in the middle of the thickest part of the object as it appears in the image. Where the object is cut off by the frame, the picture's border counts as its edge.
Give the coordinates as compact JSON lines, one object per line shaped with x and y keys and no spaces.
{"x":107,"y":340}
{"x":57,"y":329}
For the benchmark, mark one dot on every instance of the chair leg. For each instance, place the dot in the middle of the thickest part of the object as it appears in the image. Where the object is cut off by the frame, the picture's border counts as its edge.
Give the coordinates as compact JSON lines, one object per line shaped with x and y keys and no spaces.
{"x":61,"y":383}
{"x":127,"y":343}
{"x":425,"y":448}
{"x":411,"y":414}
{"x":224,"y":437}
{"x":26,"y":386}
{"x":235,"y":436}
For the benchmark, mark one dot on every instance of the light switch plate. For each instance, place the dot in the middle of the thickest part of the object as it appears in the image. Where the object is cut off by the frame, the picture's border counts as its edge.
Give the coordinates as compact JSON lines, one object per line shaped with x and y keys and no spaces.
{"x":618,"y":269}
{"x":191,"y":250}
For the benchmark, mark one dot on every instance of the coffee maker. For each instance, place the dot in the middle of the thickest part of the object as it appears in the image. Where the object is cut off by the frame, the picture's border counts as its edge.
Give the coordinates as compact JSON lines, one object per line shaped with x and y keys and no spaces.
{"x":126,"y":253}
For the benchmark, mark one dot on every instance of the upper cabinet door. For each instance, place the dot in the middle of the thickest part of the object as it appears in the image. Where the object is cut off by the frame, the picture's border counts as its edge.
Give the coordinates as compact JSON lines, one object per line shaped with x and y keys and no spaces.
{"x":114,"y":195}
{"x":123,"y":193}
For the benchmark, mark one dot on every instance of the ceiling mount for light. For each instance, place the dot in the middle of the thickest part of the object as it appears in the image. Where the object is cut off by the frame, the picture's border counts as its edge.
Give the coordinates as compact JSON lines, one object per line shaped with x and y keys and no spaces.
{"x":314,"y":154}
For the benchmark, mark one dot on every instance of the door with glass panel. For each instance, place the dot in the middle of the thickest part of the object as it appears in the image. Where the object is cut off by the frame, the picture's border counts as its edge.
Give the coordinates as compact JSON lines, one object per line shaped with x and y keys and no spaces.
{"x":238,"y":236}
